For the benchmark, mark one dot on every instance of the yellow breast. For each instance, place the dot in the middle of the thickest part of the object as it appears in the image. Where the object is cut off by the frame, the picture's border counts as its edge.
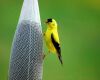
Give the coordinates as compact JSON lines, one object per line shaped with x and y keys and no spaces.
{"x":49,"y":42}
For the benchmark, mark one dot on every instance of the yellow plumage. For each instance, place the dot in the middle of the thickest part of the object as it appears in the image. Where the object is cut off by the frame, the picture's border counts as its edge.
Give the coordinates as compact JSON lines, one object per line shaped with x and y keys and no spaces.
{"x":52,"y":38}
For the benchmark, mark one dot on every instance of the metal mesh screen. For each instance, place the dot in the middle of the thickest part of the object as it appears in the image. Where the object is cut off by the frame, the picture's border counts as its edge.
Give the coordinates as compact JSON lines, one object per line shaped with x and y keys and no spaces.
{"x":26,"y":58}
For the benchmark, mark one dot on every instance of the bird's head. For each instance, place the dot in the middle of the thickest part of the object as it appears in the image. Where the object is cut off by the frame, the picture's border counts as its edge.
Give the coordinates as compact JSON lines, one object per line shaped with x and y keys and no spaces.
{"x":51,"y":23}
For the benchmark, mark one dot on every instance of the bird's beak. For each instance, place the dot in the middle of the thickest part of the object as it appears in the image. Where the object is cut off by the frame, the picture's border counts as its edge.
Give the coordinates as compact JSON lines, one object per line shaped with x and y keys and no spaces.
{"x":46,"y":22}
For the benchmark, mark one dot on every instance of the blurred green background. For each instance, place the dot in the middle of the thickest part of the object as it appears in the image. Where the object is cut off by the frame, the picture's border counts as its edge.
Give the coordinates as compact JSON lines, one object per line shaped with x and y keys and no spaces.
{"x":79,"y":30}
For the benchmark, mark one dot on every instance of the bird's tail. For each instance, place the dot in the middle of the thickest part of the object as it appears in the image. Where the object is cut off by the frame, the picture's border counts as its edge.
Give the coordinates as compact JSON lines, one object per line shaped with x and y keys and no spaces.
{"x":60,"y":59}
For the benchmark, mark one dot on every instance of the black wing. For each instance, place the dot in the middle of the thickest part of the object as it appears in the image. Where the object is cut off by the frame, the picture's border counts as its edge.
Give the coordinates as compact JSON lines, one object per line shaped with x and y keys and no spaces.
{"x":57,"y":47}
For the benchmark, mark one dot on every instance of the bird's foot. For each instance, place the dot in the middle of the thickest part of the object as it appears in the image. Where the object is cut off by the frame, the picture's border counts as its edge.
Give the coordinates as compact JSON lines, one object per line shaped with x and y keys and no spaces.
{"x":43,"y":34}
{"x":44,"y":56}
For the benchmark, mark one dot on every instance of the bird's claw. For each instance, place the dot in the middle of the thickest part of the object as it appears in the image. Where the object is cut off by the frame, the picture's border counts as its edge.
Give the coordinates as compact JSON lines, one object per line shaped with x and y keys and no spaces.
{"x":44,"y":56}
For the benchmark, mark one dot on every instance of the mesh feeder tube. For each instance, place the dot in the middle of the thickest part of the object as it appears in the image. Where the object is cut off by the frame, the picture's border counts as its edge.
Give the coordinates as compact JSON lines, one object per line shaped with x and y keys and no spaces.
{"x":26,"y":53}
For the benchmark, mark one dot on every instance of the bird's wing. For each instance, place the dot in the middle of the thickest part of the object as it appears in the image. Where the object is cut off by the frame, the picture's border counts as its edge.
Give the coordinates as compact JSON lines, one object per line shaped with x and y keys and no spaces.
{"x":55,"y":41}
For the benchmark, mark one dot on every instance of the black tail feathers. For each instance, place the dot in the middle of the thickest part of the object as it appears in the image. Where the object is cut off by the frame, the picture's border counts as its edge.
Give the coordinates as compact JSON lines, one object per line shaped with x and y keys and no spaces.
{"x":60,"y":59}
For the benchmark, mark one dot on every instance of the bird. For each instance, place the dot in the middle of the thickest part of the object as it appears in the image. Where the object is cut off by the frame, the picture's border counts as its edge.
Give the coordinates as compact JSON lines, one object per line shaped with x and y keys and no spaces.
{"x":52,"y":39}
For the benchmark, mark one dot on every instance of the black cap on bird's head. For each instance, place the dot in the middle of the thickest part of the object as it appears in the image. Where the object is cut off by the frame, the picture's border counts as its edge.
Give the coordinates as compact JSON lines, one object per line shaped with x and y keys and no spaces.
{"x":49,"y":20}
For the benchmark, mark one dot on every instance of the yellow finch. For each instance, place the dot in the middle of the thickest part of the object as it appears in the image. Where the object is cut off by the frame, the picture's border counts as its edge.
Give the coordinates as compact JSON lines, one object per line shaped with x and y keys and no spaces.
{"x":52,"y":38}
